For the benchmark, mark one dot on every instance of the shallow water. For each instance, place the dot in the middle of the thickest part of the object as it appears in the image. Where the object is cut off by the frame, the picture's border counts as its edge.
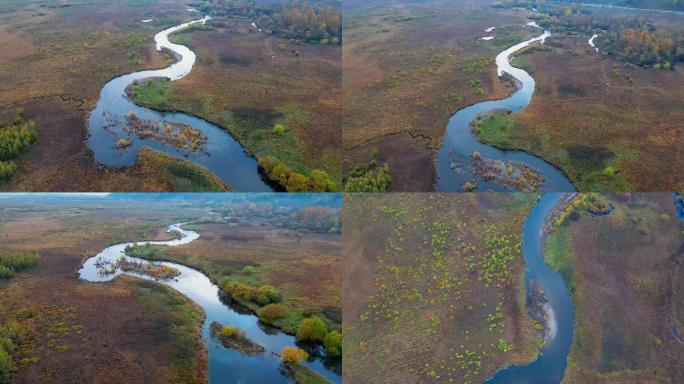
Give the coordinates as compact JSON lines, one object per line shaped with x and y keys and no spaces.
{"x":460,"y":143}
{"x":225,"y":365}
{"x":221,"y":154}
{"x":550,"y":364}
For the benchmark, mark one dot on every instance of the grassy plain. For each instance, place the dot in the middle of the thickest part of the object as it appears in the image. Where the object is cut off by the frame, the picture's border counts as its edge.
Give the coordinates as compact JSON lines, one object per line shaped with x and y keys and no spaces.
{"x":304,"y":267}
{"x":56,"y":58}
{"x":627,"y":276}
{"x":70,"y":331}
{"x":590,"y":112}
{"x":247,"y":82}
{"x":433,"y":287}
{"x":409,"y":66}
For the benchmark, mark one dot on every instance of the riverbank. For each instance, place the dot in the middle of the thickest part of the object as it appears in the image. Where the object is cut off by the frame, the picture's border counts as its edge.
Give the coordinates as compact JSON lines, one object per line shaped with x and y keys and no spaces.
{"x":608,"y":271}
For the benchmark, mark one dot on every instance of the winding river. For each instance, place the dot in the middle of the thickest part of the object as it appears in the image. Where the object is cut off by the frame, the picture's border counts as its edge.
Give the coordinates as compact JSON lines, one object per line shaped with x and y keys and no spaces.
{"x":221,"y":154}
{"x":225,"y":365}
{"x":550,"y":364}
{"x":454,"y":158}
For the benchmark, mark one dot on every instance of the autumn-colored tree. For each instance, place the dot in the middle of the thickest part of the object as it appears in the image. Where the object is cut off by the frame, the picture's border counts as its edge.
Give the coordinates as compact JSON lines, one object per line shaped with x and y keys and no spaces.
{"x":273,"y":312}
{"x":293,"y":355}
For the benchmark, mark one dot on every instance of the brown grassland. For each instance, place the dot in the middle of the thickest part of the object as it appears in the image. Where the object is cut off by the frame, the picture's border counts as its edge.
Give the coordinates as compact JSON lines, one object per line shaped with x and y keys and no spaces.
{"x":627,"y":277}
{"x":127,"y":330}
{"x":433,"y":287}
{"x":246,"y":82}
{"x":56,"y":56}
{"x":407,"y":68}
{"x":304,"y":268}
{"x":590,"y":112}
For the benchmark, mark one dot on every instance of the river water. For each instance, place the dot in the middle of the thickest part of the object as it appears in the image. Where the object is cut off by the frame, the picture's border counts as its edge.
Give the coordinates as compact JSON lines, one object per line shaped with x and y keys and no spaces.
{"x":221,"y":154}
{"x":225,"y":365}
{"x":550,"y":364}
{"x":460,"y":143}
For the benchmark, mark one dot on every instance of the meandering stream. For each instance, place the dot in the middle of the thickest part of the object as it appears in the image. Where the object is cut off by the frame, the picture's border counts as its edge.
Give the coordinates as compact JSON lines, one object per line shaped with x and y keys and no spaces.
{"x":454,"y":158}
{"x":550,"y":364}
{"x":225,"y":365}
{"x":221,"y":154}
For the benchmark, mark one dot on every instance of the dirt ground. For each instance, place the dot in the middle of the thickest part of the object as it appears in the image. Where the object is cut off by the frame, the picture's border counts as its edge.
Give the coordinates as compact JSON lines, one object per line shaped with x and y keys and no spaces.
{"x":416,"y":307}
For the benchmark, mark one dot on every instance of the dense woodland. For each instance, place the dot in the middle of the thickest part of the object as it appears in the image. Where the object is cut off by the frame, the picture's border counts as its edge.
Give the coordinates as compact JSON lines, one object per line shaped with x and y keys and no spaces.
{"x":312,"y":21}
{"x":632,"y":39}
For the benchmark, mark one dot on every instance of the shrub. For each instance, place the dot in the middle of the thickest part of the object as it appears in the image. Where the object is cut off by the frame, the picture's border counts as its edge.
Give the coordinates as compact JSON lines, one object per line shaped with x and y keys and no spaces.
{"x":293,"y":355}
{"x":5,"y":362}
{"x":272,"y":312}
{"x":278,"y":129}
{"x":6,"y":273}
{"x":333,"y":344}
{"x":297,"y":182}
{"x":15,"y":138}
{"x":263,"y":295}
{"x":312,"y":329}
{"x":321,"y":182}
{"x":14,"y":262}
{"x":233,"y":332}
{"x":7,"y":169}
{"x":248,"y":270}
{"x":609,"y":171}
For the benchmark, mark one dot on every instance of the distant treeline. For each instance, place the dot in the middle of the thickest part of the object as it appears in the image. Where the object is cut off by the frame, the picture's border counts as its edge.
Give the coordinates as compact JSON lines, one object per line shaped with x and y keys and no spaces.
{"x":630,"y":39}
{"x":312,"y":21}
{"x":314,"y":219}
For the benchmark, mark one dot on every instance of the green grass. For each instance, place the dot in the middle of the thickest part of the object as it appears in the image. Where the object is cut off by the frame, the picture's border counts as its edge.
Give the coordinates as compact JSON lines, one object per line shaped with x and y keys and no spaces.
{"x":558,"y":255}
{"x":176,"y":318}
{"x":255,"y":136}
{"x":496,"y":130}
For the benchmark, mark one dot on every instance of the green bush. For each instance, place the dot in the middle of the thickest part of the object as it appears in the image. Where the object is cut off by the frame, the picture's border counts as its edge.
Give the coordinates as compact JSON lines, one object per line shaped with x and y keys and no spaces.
{"x":7,"y":169}
{"x":278,"y":129}
{"x":248,"y":270}
{"x":312,"y":329}
{"x":333,"y":344}
{"x":15,"y":138}
{"x":5,"y":363}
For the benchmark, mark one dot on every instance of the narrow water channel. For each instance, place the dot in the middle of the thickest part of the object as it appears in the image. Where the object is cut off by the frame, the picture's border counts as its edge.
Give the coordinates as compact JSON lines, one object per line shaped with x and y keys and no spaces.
{"x":225,"y":365}
{"x":550,"y":365}
{"x":221,"y":154}
{"x":454,"y":158}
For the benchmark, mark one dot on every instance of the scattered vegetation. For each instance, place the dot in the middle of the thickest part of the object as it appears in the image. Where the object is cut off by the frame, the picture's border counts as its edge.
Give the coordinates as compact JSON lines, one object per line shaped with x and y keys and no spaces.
{"x":369,"y":178}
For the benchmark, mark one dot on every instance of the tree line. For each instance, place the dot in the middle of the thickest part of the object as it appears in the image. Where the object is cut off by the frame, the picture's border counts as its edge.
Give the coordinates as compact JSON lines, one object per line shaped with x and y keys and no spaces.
{"x":312,"y":21}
